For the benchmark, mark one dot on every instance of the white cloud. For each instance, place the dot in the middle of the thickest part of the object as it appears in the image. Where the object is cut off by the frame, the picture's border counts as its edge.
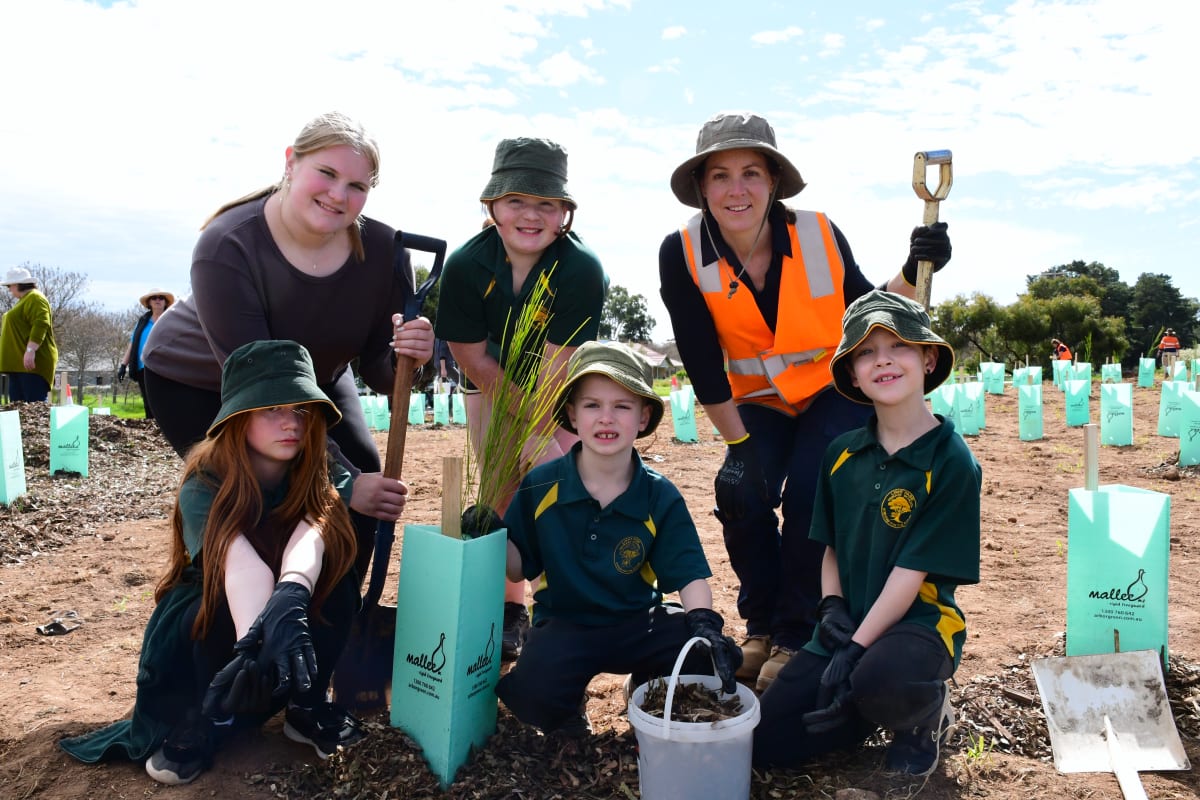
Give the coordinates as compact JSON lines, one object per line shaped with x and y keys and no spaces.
{"x":777,"y":37}
{"x":674,"y":32}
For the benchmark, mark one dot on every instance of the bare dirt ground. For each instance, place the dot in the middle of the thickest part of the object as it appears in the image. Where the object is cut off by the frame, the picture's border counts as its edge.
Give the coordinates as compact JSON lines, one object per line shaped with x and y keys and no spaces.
{"x":96,"y":545}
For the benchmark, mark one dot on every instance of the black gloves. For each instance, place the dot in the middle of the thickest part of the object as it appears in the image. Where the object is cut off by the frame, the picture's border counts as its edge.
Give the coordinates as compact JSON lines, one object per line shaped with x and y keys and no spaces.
{"x":726,"y":655}
{"x":836,"y":626}
{"x":121,"y":371}
{"x":833,"y":697}
{"x":927,"y":243}
{"x":479,"y":521}
{"x":240,"y":687}
{"x":285,"y":654}
{"x":740,"y":486}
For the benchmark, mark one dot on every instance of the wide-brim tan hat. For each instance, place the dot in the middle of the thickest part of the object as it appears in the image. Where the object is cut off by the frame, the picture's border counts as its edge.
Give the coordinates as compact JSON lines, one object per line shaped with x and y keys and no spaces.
{"x":905,"y":318}
{"x":268,"y":373}
{"x":738,"y":131}
{"x":145,"y":299}
{"x":616,"y":361}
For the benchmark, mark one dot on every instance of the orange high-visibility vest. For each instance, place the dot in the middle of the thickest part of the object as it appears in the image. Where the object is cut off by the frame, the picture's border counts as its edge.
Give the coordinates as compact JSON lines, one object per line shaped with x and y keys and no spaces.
{"x":1064,"y":353}
{"x":1169,"y":344}
{"x":787,"y":368}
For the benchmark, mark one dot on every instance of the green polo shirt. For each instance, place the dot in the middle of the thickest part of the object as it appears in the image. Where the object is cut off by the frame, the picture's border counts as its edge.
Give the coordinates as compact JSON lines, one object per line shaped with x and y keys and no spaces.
{"x":917,"y":508}
{"x":597,"y":566}
{"x":476,"y":299}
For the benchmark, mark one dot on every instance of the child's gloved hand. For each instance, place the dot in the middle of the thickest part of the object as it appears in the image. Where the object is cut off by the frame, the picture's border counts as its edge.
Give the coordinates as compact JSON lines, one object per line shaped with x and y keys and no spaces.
{"x":836,"y":625}
{"x":833,"y":696}
{"x":726,"y":655}
{"x":239,"y":687}
{"x":285,"y":653}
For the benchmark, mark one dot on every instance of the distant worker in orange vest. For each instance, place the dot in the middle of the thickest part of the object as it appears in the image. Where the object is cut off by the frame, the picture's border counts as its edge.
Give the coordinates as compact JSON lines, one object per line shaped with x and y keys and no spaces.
{"x":1168,"y":348}
{"x":1061,"y":351}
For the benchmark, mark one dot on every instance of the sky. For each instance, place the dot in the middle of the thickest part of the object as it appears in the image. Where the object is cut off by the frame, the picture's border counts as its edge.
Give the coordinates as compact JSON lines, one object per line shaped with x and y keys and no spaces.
{"x":1072,"y":124}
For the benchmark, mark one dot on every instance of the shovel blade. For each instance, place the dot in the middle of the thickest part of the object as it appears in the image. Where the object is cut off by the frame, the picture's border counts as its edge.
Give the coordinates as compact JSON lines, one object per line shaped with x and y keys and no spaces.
{"x":362,"y":680}
{"x":1078,"y":692}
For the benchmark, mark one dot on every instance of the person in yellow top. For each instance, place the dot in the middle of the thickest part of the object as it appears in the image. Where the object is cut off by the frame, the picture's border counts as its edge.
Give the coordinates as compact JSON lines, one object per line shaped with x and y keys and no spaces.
{"x":28,"y":354}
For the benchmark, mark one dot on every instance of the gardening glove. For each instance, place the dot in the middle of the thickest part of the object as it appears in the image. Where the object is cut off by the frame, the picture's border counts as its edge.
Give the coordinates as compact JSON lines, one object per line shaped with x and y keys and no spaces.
{"x":121,"y":371}
{"x":740,"y":486}
{"x":240,"y":687}
{"x":480,"y":520}
{"x":927,"y":243}
{"x":726,"y":655}
{"x":285,"y":650}
{"x":836,"y":625}
{"x":833,"y":695}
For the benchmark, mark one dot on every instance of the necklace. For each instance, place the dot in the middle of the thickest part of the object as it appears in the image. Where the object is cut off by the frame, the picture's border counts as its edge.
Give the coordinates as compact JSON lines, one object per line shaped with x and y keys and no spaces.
{"x":743,"y":263}
{"x":295,"y":245}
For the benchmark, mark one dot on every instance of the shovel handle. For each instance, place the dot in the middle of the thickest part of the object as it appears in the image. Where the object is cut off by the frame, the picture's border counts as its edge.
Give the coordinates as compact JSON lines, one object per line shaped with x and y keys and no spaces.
{"x":398,"y":426}
{"x":921,"y":161}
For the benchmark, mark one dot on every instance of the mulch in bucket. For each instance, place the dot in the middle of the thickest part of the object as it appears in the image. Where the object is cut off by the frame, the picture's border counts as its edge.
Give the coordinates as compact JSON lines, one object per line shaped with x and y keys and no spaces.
{"x":681,"y":760}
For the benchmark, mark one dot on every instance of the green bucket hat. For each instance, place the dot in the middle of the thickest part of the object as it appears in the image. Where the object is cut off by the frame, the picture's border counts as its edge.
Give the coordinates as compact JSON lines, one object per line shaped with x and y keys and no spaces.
{"x":740,"y":131}
{"x":616,"y":361}
{"x":903,"y":317}
{"x":271,"y":372}
{"x":536,"y":167}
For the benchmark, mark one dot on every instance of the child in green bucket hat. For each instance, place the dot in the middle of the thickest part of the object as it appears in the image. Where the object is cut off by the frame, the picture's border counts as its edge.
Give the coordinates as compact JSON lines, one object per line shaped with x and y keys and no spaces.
{"x":260,"y":591}
{"x":607,"y":537}
{"x":487,"y":284}
{"x":897,"y":508}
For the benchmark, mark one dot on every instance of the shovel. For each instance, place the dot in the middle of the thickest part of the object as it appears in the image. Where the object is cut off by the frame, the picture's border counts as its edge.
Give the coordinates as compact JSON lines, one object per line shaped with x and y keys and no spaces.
{"x":363,"y":677}
{"x":1109,"y":712}
{"x":945,"y":178}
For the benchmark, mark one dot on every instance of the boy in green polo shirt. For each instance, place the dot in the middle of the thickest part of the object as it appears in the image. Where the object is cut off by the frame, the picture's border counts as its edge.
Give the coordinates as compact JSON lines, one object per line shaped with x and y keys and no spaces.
{"x":604,"y":538}
{"x":897,"y":507}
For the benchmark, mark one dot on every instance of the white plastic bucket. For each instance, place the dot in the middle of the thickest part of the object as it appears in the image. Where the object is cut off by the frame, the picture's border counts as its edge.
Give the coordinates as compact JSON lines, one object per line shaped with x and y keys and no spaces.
{"x":693,"y":760}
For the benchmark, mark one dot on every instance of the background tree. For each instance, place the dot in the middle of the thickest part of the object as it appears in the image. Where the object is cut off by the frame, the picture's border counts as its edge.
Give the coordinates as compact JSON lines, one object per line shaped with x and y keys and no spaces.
{"x":1157,"y":305}
{"x":94,"y":340}
{"x":625,"y":317}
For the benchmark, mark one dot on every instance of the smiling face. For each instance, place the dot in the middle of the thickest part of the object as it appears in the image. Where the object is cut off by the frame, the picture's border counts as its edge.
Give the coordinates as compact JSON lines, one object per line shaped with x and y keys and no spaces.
{"x":527,"y":225}
{"x":607,"y":416}
{"x":327,"y":188}
{"x":737,"y":186}
{"x":889,"y":370}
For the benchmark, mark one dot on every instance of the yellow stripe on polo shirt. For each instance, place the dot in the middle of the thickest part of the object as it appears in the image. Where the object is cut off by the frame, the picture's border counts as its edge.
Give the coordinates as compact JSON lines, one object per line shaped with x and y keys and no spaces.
{"x":646,"y":571}
{"x":950,"y":622}
{"x":928,"y":480}
{"x":842,"y":459}
{"x":548,"y":499}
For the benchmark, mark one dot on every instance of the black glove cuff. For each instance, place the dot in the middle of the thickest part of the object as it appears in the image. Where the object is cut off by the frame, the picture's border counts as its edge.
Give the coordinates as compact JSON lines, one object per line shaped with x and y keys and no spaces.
{"x":293,"y":591}
{"x":830,"y":602}
{"x":909,"y":271}
{"x":705,"y":617}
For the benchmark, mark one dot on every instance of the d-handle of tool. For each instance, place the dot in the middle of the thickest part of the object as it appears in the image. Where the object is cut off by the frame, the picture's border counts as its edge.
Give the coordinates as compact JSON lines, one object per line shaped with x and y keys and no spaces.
{"x":921,"y":162}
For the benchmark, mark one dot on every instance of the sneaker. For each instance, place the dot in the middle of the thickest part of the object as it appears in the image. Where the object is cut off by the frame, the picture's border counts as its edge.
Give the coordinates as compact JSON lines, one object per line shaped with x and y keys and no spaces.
{"x":766,"y":676}
{"x":326,"y":727}
{"x":516,"y":627}
{"x":185,"y":752}
{"x":915,"y":752}
{"x":755,"y":652}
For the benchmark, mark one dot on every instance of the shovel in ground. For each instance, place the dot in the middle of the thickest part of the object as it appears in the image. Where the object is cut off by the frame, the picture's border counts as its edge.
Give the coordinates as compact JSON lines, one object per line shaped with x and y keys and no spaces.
{"x":932,"y":199}
{"x":363,"y":677}
{"x":1108,"y":712}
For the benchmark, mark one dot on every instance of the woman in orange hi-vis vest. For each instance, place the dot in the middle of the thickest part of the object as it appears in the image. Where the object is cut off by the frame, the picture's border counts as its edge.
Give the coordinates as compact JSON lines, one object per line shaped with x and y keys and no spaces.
{"x":1060,"y":350}
{"x":756,"y":292}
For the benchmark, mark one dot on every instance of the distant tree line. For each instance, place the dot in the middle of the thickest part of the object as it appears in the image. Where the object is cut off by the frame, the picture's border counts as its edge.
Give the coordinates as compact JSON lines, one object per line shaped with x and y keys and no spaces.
{"x":1085,"y":305}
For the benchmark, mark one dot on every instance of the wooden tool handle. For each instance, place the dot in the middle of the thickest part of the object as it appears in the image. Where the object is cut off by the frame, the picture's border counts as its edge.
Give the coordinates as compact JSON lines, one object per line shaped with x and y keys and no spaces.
{"x":398,"y":426}
{"x":943,"y":158}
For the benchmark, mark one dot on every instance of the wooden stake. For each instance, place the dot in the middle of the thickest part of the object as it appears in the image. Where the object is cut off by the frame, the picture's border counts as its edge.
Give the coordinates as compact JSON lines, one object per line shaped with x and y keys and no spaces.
{"x":452,"y":471}
{"x":1091,"y":456}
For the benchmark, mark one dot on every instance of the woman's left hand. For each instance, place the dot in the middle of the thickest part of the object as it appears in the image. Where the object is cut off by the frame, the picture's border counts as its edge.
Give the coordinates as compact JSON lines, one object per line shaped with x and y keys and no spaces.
{"x":413,"y":338}
{"x":378,"y":496}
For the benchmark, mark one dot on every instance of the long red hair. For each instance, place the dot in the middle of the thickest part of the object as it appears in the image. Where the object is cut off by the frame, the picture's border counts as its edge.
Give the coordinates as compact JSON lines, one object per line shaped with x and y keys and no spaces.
{"x":223,"y":462}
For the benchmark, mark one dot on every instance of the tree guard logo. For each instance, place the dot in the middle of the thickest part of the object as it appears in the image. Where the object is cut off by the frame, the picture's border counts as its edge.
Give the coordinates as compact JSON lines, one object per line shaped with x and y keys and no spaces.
{"x":1135,"y":592}
{"x":629,"y":555}
{"x":897,"y":506}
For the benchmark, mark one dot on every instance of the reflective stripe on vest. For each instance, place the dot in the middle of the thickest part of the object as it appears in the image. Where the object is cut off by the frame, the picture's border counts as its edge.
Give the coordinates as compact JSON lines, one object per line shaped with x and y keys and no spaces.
{"x":785,"y":368}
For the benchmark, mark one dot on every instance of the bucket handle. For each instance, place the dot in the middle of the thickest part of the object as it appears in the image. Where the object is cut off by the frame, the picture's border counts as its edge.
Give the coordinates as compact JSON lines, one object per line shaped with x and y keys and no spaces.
{"x":666,"y":723}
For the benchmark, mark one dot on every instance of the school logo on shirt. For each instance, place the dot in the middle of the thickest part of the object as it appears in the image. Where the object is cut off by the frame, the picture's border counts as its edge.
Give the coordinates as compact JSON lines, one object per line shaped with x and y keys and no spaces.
{"x":897,"y":506}
{"x":629,"y":555}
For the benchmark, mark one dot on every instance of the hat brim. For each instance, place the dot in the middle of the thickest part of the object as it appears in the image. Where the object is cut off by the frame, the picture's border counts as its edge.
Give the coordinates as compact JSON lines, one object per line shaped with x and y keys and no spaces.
{"x":145,"y":299}
{"x":686,"y":185}
{"x":841,"y":370}
{"x":653,"y":401}
{"x":298,"y":392}
{"x":528,"y":184}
